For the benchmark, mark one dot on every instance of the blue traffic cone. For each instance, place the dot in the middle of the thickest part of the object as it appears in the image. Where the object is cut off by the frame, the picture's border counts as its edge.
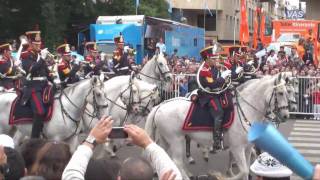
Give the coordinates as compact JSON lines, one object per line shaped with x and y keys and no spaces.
{"x":268,"y":138}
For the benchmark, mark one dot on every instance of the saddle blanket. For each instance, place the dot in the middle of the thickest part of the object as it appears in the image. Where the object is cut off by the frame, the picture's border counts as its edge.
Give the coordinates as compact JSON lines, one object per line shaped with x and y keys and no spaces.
{"x":199,"y":119}
{"x":23,"y":114}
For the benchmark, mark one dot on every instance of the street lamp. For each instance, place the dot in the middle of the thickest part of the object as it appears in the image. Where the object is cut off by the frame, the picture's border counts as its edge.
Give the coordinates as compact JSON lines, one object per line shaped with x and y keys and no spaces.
{"x":234,"y":27}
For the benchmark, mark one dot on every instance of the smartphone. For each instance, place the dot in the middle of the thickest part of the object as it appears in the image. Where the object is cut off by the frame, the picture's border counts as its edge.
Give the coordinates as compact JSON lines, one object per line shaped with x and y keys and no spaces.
{"x":117,"y":133}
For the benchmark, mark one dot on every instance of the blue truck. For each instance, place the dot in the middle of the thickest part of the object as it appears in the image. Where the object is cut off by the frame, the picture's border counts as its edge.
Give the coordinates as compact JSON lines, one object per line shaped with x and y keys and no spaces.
{"x":138,"y":30}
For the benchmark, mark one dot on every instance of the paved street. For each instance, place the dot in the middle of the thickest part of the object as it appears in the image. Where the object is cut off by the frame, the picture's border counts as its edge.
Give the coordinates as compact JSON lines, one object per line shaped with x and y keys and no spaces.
{"x":301,"y":133}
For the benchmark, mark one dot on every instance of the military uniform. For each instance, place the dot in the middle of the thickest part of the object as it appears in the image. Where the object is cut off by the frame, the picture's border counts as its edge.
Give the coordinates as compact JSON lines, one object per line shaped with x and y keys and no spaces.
{"x":66,"y":70}
{"x":37,"y":80}
{"x":6,"y":66}
{"x":93,"y":62}
{"x":121,"y":64}
{"x":211,"y":78}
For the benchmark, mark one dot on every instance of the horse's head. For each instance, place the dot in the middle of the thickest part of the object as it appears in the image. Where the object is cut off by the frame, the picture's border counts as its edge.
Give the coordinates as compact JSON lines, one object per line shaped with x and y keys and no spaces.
{"x":98,"y":98}
{"x":148,"y":97}
{"x":277,"y":98}
{"x":139,"y":96}
{"x":162,"y":68}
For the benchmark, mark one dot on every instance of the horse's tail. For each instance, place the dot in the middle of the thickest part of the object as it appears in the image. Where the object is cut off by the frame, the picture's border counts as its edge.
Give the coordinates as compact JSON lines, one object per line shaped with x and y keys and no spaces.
{"x":150,"y":126}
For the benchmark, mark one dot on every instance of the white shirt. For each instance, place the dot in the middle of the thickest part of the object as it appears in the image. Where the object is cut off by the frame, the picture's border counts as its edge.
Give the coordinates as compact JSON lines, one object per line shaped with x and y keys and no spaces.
{"x":272,"y":60}
{"x":162,"y":47}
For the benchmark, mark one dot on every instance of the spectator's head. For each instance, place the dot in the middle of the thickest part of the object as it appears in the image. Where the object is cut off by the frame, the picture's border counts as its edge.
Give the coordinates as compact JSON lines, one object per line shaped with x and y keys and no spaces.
{"x":15,"y":167}
{"x":51,"y":160}
{"x":301,"y":41}
{"x":101,"y":169}
{"x":161,"y":40}
{"x":302,"y":73}
{"x":73,"y":48}
{"x":136,"y":169}
{"x":293,"y":49}
{"x":281,"y":48}
{"x":272,"y":52}
{"x":175,"y":50}
{"x":29,"y":151}
{"x":259,"y":40}
{"x":310,"y":31}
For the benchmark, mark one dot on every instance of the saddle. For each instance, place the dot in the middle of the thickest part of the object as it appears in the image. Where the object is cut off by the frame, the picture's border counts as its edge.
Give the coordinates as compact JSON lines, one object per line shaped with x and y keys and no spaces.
{"x":21,"y":112}
{"x":199,"y":118}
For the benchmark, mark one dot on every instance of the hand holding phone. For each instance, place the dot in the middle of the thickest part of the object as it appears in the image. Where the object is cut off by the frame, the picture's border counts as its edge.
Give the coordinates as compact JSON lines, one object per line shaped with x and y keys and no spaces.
{"x":118,"y":133}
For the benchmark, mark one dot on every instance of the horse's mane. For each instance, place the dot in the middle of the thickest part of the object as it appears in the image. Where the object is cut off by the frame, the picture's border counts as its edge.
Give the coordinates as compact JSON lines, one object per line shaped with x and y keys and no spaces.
{"x":71,"y":88}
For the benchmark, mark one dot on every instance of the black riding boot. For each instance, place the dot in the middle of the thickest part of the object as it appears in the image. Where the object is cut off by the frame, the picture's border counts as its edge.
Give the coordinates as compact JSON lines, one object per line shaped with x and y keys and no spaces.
{"x":37,"y":126}
{"x":217,"y":134}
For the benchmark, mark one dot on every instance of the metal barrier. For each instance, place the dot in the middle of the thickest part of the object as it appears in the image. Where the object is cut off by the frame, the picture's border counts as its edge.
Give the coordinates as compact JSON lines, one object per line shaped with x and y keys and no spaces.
{"x":176,"y":87}
{"x":308,"y":96}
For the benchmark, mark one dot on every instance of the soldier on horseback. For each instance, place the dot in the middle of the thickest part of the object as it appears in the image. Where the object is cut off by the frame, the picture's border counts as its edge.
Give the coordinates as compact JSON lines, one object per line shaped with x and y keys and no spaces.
{"x":120,"y":58}
{"x":213,"y":78}
{"x":38,"y":74}
{"x":67,"y":69}
{"x":7,"y":67}
{"x":92,"y":60}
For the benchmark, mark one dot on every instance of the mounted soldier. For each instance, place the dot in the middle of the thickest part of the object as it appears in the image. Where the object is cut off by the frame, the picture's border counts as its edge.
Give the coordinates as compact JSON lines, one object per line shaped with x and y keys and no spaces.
{"x":92,"y":60}
{"x":120,"y":58}
{"x":67,"y":69}
{"x":212,"y":78}
{"x":34,"y":64}
{"x":7,"y":67}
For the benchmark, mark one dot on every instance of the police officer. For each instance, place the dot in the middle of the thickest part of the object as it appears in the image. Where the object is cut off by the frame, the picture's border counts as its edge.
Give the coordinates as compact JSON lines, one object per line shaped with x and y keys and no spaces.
{"x":92,"y":60}
{"x":120,"y":57}
{"x":67,"y":69}
{"x":34,"y":64}
{"x":7,"y":67}
{"x":211,"y":77}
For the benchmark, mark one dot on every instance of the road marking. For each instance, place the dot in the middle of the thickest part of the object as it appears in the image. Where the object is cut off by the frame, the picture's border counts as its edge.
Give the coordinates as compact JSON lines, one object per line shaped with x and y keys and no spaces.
{"x":295,"y":144}
{"x":307,"y":125}
{"x":304,"y":139}
{"x":313,"y":159}
{"x":308,"y":121}
{"x":309,"y":151}
{"x":293,"y":133}
{"x":305,"y":129}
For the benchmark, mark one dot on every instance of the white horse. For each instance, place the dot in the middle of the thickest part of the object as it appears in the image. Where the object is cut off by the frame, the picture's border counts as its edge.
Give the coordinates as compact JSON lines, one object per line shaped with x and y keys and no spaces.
{"x":166,"y":121}
{"x":68,"y":107}
{"x":156,"y":71}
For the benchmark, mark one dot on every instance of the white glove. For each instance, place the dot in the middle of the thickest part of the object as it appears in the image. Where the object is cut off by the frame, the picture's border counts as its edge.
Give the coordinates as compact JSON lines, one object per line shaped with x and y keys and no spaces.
{"x":44,"y":53}
{"x":225,"y":74}
{"x":24,"y":41}
{"x":250,"y":62}
{"x":239,"y":69}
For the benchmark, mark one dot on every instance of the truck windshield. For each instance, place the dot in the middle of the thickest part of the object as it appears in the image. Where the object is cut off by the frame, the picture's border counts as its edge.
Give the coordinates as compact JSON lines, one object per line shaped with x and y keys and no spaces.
{"x":288,"y":38}
{"x":107,"y":48}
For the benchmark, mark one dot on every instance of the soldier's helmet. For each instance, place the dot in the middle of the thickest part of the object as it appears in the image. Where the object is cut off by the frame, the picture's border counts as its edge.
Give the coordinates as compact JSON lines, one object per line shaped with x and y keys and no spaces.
{"x":5,"y":47}
{"x":64,"y":49}
{"x":34,"y":37}
{"x":91,"y":46}
{"x":209,"y":53}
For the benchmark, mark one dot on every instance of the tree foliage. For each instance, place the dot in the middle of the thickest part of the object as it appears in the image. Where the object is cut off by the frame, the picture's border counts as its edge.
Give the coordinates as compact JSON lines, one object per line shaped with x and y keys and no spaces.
{"x":62,"y":19}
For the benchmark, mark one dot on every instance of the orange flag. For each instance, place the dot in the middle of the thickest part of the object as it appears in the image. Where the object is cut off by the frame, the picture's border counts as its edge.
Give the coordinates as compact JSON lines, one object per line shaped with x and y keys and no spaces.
{"x":262,"y":26}
{"x":255,"y":29}
{"x":244,"y":26}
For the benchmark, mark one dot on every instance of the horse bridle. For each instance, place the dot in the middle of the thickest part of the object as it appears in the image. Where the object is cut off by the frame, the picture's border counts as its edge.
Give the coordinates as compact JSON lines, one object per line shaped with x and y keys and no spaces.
{"x":132,"y":102}
{"x":97,"y":108}
{"x":276,"y":110}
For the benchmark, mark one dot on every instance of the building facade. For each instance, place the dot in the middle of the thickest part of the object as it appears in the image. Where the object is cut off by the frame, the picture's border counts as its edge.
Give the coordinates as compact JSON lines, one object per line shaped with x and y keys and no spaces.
{"x":221,"y":18}
{"x":312,"y":9}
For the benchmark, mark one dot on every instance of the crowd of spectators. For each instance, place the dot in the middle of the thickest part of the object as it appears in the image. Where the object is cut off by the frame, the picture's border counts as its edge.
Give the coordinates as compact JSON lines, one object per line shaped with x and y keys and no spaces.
{"x":40,"y":159}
